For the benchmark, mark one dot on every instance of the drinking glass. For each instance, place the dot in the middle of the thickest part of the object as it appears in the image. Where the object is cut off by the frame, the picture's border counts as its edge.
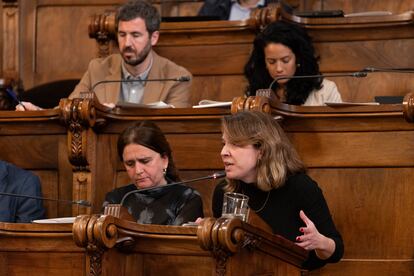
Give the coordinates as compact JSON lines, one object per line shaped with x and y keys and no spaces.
{"x":235,"y":206}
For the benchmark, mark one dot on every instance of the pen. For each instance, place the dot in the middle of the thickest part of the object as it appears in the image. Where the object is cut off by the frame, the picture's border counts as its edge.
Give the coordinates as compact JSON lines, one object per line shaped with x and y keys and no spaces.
{"x":14,"y":97}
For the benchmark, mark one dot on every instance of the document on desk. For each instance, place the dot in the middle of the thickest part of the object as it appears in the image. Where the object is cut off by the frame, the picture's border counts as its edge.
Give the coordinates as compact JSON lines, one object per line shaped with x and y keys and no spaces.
{"x":350,"y":103}
{"x":55,"y":220}
{"x":149,"y":105}
{"x":210,"y":103}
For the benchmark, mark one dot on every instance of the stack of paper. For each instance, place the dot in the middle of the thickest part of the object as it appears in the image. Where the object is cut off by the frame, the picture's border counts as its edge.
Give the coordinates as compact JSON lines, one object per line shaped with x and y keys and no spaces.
{"x":210,"y":103}
{"x":350,"y":103}
{"x":55,"y":220}
{"x":149,"y":105}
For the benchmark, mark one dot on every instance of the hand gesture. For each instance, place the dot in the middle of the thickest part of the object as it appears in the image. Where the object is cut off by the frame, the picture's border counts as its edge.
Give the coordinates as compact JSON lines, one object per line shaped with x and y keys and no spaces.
{"x":313,"y":240}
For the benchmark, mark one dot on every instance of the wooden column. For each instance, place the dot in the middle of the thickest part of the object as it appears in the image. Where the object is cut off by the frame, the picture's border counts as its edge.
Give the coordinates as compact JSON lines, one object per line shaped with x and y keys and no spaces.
{"x":10,"y":39}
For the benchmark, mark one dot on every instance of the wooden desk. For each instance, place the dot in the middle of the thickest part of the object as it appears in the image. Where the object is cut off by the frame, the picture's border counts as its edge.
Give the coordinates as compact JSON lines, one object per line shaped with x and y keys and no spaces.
{"x":40,"y":249}
{"x":217,"y":247}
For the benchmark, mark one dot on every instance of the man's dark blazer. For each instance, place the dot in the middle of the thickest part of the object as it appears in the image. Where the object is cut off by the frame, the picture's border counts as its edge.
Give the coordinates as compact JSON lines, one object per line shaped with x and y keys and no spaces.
{"x":17,"y":181}
{"x":220,"y":8}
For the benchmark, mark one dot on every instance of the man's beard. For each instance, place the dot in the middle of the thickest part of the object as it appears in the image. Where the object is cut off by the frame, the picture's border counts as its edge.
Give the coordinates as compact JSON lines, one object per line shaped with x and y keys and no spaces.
{"x":140,"y":57}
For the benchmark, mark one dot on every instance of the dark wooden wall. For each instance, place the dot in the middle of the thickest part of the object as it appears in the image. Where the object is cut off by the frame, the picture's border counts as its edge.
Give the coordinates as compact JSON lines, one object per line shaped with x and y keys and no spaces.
{"x":47,"y":40}
{"x":362,"y":161}
{"x":355,"y":6}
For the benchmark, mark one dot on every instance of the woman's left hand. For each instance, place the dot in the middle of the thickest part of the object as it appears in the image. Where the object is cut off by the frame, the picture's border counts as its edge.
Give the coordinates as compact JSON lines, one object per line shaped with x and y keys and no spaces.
{"x":313,"y":240}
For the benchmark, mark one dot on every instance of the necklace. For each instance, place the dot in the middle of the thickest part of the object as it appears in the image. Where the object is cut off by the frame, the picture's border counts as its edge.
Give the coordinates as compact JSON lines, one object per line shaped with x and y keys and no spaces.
{"x":264,"y":204}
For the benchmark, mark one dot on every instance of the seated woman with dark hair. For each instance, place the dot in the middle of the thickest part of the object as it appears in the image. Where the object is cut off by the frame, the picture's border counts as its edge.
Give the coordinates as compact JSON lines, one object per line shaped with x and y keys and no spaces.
{"x":285,"y":50}
{"x":148,"y":161}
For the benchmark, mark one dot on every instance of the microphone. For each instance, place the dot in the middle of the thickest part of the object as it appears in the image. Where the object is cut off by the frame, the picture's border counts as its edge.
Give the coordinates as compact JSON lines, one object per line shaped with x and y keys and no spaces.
{"x":359,"y":74}
{"x":213,"y":176}
{"x":179,"y":79}
{"x":77,"y":202}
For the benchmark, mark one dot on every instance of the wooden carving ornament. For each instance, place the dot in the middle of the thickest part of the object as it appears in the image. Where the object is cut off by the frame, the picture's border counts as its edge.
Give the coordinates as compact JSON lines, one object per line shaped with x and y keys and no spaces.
{"x":258,"y":103}
{"x":408,"y":107}
{"x":79,"y":115}
{"x":102,"y":28}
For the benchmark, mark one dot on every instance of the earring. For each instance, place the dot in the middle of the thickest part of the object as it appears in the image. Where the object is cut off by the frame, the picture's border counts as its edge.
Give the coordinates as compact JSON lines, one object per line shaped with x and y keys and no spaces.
{"x":298,"y":65}
{"x":164,"y":171}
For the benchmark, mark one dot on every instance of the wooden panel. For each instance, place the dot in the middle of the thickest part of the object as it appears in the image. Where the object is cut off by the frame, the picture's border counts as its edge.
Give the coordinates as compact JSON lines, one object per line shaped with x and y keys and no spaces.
{"x":42,"y":151}
{"x":356,"y":55}
{"x":189,"y":150}
{"x":65,"y":179}
{"x":178,"y":8}
{"x":50,"y":189}
{"x":220,"y":88}
{"x":375,"y":84}
{"x":368,"y":268}
{"x":39,"y":249}
{"x":369,"y":149}
{"x":9,"y":57}
{"x":16,"y":123}
{"x":64,"y":23}
{"x":350,"y":6}
{"x":158,"y":264}
{"x":219,"y":59}
{"x":371,"y":209}
{"x":54,"y":19}
{"x":349,"y":121}
{"x":47,"y":263}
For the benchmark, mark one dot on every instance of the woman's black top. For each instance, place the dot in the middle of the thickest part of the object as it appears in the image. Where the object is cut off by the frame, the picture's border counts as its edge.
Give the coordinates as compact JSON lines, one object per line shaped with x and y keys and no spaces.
{"x":281,"y":211}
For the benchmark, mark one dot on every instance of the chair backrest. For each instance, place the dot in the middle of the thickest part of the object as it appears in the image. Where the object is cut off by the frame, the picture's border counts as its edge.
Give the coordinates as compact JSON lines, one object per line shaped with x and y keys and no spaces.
{"x":49,"y":94}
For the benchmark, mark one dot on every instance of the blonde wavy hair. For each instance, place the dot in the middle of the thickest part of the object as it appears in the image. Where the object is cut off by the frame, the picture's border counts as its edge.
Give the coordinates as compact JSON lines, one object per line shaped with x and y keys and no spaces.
{"x":278,"y":156}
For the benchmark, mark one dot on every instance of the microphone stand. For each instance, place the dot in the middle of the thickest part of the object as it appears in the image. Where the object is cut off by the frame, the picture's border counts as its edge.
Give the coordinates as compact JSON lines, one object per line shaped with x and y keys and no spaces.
{"x":179,"y":79}
{"x":77,"y":202}
{"x":388,"y":70}
{"x":359,"y":74}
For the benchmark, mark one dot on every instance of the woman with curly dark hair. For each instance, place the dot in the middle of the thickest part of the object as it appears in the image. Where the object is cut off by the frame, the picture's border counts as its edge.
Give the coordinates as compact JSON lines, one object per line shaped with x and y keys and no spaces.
{"x":284,"y":50}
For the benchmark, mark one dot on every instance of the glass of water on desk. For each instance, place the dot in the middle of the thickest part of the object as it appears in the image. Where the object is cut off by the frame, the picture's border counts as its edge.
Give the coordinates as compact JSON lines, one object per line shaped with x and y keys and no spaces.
{"x":235,"y":206}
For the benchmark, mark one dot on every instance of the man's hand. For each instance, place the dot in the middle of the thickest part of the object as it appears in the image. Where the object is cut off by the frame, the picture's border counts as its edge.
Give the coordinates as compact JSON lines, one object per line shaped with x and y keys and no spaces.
{"x":27,"y":106}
